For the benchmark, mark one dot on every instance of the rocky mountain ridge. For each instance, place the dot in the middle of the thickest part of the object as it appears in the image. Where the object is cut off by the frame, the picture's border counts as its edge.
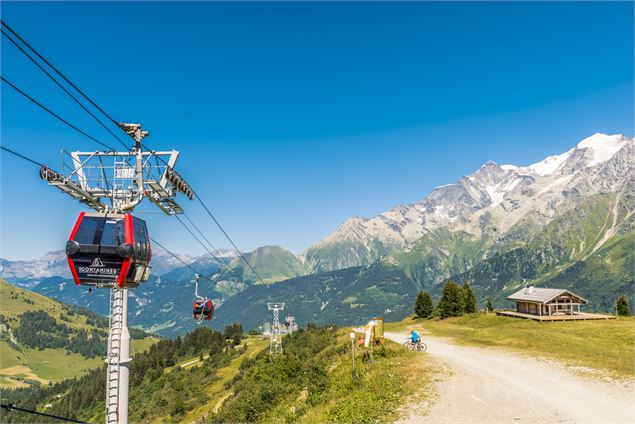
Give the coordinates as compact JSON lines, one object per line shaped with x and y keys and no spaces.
{"x":501,"y":203}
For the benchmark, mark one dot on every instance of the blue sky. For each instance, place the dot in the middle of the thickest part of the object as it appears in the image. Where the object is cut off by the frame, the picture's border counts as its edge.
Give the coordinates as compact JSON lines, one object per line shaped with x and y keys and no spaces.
{"x":292,"y":117}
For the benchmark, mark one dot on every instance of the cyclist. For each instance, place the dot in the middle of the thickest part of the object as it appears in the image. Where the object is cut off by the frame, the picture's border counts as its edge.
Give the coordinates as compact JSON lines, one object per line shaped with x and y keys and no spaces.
{"x":414,"y":336}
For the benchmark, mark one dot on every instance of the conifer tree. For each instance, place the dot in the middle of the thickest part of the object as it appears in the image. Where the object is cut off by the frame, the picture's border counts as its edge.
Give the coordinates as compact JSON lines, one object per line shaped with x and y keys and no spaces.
{"x":469,"y":300}
{"x":423,"y":305}
{"x":452,"y":301}
{"x":622,"y":306}
{"x":490,"y":304}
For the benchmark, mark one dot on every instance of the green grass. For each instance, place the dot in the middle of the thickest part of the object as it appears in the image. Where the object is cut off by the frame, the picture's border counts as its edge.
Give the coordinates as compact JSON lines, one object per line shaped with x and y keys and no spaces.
{"x":608,"y":346}
{"x":21,"y":363}
{"x":50,"y":364}
{"x":139,"y":345}
{"x":55,"y":364}
{"x":15,"y":301}
{"x":9,"y":357}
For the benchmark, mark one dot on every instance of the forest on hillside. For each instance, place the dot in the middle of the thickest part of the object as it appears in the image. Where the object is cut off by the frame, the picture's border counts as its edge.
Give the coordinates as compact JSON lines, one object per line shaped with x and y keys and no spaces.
{"x":172,"y":392}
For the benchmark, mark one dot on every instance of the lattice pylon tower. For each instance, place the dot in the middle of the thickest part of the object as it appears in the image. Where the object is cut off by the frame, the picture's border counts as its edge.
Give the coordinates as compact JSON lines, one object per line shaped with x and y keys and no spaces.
{"x":275,"y":345}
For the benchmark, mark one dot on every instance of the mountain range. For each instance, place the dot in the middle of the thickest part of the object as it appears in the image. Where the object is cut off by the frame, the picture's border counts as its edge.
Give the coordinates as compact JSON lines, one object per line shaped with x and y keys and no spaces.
{"x":566,"y":221}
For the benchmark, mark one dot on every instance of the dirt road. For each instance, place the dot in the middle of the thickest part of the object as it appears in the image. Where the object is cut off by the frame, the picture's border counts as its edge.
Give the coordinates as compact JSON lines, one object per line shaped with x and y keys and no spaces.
{"x":494,"y":386}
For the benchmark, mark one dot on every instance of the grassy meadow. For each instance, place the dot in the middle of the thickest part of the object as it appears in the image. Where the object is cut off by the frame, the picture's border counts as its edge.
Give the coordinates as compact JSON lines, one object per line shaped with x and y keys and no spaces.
{"x":20,"y":365}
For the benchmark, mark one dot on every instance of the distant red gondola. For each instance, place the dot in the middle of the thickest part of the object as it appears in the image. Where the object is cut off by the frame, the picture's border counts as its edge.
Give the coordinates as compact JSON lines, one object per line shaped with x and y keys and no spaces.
{"x":108,"y":248}
{"x":203,"y":306}
{"x":203,"y":310}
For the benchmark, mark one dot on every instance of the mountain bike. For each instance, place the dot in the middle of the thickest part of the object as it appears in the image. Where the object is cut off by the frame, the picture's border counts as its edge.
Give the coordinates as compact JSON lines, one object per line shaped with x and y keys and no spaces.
{"x":419,"y":346}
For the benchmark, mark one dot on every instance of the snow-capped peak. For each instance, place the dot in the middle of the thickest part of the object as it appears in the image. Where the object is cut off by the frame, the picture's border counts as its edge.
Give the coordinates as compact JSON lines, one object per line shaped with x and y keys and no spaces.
{"x":550,"y":164}
{"x":602,"y":146}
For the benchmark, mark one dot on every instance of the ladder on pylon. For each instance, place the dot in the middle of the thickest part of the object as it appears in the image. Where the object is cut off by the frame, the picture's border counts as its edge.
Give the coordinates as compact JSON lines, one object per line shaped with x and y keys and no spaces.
{"x":114,"y":354}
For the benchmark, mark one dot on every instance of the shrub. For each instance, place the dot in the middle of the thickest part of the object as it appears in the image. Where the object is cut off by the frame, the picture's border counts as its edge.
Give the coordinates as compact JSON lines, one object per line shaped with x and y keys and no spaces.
{"x":622,"y":306}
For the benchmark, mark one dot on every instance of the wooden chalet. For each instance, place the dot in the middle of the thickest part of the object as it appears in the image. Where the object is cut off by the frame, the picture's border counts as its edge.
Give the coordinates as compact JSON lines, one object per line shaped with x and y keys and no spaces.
{"x":542,"y":304}
{"x":541,"y":301}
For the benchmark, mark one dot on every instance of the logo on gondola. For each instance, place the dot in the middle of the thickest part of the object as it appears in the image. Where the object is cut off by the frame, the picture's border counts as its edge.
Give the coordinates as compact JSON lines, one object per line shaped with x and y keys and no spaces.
{"x":97,"y":263}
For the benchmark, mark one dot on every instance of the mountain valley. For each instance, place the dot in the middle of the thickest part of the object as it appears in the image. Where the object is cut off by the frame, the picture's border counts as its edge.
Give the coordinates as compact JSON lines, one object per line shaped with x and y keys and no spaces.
{"x":566,"y":221}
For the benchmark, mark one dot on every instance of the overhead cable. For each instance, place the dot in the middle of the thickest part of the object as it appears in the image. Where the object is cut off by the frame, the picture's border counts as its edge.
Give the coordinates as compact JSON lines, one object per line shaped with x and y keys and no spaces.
{"x":197,"y":239}
{"x":46,"y":109}
{"x":58,"y":72}
{"x":22,"y":156}
{"x":11,"y":407}
{"x":228,"y":238}
{"x":203,"y":235}
{"x":181,"y":260}
{"x":52,"y":78}
{"x":240,"y":253}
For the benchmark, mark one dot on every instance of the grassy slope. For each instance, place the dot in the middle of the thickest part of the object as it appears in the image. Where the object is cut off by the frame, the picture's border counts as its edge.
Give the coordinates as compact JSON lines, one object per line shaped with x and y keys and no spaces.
{"x":309,"y":386}
{"x":19,"y":364}
{"x":217,"y":392}
{"x":384,"y":390}
{"x":608,"y":346}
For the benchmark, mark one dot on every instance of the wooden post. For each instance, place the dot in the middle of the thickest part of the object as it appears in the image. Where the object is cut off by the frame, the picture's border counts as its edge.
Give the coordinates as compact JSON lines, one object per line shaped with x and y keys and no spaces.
{"x":352,"y":335}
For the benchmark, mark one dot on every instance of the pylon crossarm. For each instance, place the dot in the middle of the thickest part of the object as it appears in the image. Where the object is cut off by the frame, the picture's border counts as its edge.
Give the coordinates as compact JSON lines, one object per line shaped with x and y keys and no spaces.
{"x":124,"y":178}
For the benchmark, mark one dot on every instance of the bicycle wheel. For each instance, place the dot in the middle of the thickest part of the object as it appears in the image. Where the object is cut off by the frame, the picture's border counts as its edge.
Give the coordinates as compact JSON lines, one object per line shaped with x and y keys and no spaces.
{"x":422,"y":347}
{"x":407,"y":345}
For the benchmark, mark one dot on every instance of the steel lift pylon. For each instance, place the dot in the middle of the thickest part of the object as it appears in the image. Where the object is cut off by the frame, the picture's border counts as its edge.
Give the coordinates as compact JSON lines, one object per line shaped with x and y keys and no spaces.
{"x":275,"y":345}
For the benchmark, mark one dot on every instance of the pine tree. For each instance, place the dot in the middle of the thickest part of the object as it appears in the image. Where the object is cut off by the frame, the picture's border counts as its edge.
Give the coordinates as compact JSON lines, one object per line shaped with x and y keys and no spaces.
{"x":490,"y":304}
{"x":622,"y":306}
{"x":469,"y":300}
{"x":423,"y":305}
{"x":452,"y":301}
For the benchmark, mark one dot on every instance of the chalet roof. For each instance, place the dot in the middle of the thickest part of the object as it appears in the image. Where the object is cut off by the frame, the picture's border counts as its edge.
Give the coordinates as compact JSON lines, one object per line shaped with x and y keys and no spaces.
{"x":541,"y":295}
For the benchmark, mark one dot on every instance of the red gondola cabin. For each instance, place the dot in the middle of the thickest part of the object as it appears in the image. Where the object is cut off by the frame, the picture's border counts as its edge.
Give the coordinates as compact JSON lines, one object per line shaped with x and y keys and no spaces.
{"x":203,"y":309}
{"x":108,"y":248}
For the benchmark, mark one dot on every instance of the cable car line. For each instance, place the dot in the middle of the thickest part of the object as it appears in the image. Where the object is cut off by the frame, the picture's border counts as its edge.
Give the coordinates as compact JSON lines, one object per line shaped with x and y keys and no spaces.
{"x":105,"y":114}
{"x":58,"y":72}
{"x":62,"y":87}
{"x":22,"y":156}
{"x":203,"y":235}
{"x":46,"y":109}
{"x":228,"y":238}
{"x":197,"y":239}
{"x":12,"y":407}
{"x":181,"y":260}
{"x":242,"y":256}
{"x":4,"y":24}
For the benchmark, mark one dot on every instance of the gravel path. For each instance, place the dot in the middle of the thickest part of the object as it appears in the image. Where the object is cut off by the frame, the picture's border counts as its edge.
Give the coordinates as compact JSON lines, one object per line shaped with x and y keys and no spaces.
{"x":495,"y":386}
